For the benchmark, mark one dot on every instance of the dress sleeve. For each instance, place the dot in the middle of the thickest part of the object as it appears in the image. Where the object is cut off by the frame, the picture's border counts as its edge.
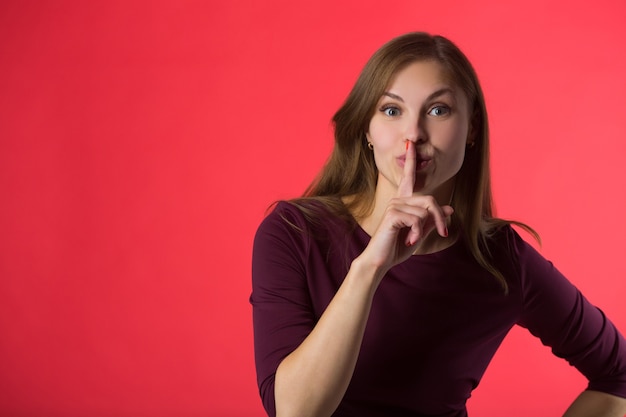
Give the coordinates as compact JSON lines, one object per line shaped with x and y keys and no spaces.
{"x":555,"y":311}
{"x":281,"y":305}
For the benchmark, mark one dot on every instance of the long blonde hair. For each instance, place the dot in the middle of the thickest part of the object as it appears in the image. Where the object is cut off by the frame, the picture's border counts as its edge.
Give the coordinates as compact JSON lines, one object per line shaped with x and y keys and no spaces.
{"x":351,"y":171}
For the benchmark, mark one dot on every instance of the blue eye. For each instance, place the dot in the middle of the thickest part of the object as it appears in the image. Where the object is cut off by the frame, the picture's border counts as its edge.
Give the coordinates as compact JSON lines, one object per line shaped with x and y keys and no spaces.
{"x":391,"y":111}
{"x":439,"y":111}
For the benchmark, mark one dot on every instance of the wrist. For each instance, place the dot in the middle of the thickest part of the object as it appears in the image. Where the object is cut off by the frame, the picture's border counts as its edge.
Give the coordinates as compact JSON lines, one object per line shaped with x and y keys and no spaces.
{"x":365,"y":272}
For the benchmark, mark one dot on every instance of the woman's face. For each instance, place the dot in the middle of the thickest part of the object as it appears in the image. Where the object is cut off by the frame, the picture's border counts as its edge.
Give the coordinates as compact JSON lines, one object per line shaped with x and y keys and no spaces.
{"x":423,"y":106}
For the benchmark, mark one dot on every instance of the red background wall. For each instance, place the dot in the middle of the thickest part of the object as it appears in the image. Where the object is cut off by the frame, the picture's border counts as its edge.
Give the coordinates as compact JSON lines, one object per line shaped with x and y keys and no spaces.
{"x":140,"y":143}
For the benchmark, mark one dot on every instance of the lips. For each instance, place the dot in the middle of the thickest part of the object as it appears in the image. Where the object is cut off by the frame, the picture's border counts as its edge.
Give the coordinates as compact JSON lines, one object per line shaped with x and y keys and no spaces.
{"x":421,"y":161}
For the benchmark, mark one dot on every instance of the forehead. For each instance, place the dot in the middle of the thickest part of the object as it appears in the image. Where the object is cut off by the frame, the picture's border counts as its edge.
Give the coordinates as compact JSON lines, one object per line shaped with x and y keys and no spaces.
{"x":422,"y":72}
{"x":422,"y":76}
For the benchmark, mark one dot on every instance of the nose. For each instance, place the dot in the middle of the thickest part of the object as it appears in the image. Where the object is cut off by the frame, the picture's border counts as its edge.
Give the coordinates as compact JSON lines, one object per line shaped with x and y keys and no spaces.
{"x":416,"y":130}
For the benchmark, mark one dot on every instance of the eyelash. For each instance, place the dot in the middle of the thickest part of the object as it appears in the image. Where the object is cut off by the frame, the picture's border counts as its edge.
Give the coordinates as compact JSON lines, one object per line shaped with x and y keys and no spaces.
{"x":386,"y":108}
{"x":441,"y":106}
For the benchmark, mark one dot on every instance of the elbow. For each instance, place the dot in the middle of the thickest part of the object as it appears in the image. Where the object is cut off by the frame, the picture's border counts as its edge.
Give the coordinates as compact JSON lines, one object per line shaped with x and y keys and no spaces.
{"x":301,"y":402}
{"x":266,"y":391}
{"x":293,"y":406}
{"x":284,"y":403}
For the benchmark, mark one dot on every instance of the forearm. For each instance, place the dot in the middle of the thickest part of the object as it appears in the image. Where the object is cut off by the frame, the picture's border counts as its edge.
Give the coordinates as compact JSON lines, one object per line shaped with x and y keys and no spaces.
{"x":597,"y":404}
{"x":313,"y":379}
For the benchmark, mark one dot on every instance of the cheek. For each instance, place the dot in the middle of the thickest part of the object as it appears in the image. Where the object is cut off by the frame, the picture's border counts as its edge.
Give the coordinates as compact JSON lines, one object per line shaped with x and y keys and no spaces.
{"x":458,"y":159}
{"x":382,"y":138}
{"x":457,"y":147}
{"x":383,"y":142}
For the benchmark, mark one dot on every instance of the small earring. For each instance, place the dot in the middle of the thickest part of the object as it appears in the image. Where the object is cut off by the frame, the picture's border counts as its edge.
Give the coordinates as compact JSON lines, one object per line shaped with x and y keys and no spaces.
{"x":370,"y":146}
{"x":471,"y":144}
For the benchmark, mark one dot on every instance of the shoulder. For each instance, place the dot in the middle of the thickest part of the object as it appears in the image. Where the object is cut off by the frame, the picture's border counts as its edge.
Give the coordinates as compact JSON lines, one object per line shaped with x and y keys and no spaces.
{"x":283,"y":213}
{"x":534,"y":273}
{"x":299,"y":215}
{"x":279,"y":243}
{"x":513,"y":256}
{"x":284,"y":222}
{"x":308,"y":215}
{"x":295,"y":236}
{"x":504,"y":241}
{"x":303,"y":220}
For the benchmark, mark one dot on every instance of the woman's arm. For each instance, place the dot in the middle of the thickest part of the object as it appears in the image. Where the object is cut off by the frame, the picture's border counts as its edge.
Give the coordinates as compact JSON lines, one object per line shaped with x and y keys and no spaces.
{"x":312,"y":380}
{"x":557,"y":312}
{"x":597,"y":404}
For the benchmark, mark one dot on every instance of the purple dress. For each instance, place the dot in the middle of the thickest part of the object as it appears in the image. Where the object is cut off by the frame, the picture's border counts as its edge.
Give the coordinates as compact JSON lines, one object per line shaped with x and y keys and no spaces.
{"x":436,"y":320}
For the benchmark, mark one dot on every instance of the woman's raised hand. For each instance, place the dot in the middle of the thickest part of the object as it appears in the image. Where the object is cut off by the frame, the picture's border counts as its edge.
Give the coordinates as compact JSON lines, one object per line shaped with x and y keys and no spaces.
{"x":408,"y":219}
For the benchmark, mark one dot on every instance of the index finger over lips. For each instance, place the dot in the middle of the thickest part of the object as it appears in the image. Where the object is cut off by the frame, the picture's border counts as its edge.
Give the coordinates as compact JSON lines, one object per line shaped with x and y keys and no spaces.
{"x":407,"y":182}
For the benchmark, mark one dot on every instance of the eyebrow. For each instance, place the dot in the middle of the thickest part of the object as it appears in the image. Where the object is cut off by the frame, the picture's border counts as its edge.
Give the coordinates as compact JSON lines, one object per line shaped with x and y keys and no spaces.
{"x":437,"y":93}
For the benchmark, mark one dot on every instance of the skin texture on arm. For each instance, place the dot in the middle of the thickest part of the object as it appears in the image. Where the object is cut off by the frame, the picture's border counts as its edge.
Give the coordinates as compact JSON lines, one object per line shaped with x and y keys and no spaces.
{"x":327,"y":357}
{"x":597,"y":404}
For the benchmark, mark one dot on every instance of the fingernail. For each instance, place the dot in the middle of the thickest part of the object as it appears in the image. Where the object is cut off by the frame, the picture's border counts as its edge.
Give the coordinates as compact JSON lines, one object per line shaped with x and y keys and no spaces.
{"x":445,"y":232}
{"x":407,"y":145}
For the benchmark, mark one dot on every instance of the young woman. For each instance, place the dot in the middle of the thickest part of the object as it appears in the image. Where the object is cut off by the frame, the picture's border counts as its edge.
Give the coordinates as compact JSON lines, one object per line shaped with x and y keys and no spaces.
{"x":387,"y":288}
